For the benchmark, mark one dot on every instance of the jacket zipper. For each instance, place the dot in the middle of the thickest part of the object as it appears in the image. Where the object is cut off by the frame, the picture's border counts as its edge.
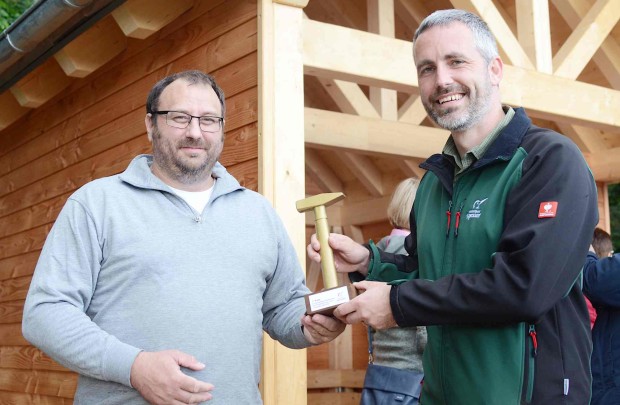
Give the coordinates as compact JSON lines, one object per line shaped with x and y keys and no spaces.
{"x":531,"y":363}
{"x":457,"y":221}
{"x":449,"y":215}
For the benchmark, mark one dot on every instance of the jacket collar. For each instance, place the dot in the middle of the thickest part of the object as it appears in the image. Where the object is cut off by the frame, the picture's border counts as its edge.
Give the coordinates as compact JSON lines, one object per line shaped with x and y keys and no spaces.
{"x":503,"y":148}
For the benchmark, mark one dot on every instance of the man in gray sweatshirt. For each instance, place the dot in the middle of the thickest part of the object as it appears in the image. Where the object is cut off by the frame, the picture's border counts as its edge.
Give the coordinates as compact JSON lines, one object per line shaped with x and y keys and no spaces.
{"x":155,"y":284}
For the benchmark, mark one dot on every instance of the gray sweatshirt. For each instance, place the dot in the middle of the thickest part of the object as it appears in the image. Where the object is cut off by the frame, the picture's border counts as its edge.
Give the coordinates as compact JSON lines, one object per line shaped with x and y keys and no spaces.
{"x":130,"y":266}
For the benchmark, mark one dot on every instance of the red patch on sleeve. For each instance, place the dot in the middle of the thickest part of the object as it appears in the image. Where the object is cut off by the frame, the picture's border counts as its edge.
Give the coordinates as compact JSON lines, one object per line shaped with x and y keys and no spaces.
{"x":548,"y":209}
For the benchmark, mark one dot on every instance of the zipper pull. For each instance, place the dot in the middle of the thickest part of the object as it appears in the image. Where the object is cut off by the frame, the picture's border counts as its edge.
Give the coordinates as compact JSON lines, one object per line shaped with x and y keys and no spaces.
{"x":198,"y":219}
{"x":532,"y":333}
{"x":458,"y":221}
{"x":449,"y":215}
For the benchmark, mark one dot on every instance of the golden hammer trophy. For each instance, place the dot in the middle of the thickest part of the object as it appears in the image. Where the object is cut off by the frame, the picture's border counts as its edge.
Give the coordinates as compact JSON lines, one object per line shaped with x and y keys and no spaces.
{"x":325,"y":301}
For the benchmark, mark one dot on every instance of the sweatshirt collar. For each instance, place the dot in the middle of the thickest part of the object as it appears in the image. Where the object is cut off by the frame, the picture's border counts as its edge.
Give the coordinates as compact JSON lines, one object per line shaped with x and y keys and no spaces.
{"x":139,"y":174}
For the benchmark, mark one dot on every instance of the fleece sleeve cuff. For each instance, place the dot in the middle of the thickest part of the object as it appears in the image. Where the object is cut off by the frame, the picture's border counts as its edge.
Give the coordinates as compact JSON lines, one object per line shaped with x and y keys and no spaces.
{"x":117,"y":361}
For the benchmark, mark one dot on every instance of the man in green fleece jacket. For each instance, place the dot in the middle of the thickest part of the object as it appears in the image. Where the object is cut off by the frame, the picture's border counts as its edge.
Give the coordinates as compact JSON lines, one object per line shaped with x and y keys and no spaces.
{"x":500,"y":225}
{"x":156,"y":284}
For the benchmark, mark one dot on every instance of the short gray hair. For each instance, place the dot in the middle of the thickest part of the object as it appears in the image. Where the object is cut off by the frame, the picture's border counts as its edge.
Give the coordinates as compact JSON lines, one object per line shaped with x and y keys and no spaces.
{"x":484,"y":39}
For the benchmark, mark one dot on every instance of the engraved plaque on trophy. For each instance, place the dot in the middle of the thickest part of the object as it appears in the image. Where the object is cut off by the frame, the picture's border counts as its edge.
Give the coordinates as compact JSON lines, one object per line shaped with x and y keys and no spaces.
{"x":325,"y":301}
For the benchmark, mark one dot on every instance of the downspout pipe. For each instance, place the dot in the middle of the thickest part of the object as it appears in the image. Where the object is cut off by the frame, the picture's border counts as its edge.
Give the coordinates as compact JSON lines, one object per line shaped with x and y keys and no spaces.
{"x":42,"y":30}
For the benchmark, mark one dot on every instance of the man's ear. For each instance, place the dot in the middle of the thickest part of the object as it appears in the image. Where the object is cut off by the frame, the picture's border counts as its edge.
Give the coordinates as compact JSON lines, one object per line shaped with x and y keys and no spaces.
{"x":149,"y":127}
{"x":496,"y":71}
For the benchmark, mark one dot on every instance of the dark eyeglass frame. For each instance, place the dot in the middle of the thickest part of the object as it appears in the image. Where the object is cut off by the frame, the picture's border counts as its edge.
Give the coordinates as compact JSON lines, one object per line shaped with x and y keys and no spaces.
{"x":220,"y":119}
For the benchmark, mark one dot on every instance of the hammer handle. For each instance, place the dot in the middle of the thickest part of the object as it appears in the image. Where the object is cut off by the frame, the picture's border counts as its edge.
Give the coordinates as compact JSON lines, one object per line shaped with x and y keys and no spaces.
{"x":328,"y":268}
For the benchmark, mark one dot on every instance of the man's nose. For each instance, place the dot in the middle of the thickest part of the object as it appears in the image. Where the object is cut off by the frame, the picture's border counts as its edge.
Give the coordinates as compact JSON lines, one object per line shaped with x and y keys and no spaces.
{"x":193,"y":129}
{"x":443,"y":76}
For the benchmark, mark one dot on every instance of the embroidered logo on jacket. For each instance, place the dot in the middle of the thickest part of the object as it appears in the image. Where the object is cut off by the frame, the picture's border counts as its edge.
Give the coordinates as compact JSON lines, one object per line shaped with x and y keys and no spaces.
{"x":548,"y":209}
{"x":475,"y":210}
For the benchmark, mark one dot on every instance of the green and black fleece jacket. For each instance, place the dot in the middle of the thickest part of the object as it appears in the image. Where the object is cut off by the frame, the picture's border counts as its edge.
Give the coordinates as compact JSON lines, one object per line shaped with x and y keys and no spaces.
{"x":496,"y":257}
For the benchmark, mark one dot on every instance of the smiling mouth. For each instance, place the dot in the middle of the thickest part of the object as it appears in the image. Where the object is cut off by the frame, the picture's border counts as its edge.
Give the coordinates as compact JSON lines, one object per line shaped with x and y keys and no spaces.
{"x":452,"y":97}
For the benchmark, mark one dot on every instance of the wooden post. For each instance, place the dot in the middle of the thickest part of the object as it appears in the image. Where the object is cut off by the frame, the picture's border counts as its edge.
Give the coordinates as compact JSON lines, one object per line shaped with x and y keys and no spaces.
{"x":281,"y":167}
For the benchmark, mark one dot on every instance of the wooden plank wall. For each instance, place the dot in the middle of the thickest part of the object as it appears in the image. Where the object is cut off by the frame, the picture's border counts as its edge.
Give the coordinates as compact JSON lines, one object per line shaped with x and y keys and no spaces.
{"x":93,"y":130}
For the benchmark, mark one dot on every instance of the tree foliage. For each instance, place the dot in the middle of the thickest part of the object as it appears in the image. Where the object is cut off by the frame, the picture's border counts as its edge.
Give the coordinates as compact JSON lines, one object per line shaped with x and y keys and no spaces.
{"x":614,"y":213}
{"x":10,"y":10}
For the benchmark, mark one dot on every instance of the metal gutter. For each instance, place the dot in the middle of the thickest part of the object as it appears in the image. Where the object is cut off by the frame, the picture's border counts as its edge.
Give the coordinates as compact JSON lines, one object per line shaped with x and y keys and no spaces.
{"x":43,"y":30}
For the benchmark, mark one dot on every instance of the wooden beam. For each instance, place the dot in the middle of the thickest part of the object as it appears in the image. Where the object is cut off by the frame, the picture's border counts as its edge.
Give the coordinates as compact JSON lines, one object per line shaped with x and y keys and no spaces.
{"x":349,"y":97}
{"x":534,"y":32}
{"x":11,"y":109}
{"x":338,"y":52}
{"x":607,"y":58}
{"x":321,"y":173}
{"x":364,"y":212}
{"x":355,"y":232}
{"x":313,"y":275}
{"x":366,"y":171}
{"x":347,"y":13}
{"x":282,"y":179}
{"x":588,"y":139}
{"x":411,"y":167}
{"x":411,"y":12}
{"x":586,"y":38}
{"x":40,"y":85}
{"x":604,"y":165}
{"x":496,"y":20}
{"x":142,"y":18}
{"x":582,"y":103}
{"x":342,"y":53}
{"x":326,"y":129}
{"x":341,"y":349}
{"x":336,"y":378}
{"x":381,"y":21}
{"x":412,"y":111}
{"x":92,"y":49}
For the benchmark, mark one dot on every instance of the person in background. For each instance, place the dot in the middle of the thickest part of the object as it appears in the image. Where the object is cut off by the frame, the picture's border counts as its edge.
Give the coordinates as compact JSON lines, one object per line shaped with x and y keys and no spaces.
{"x":601,"y":242}
{"x":497,"y":239}
{"x":601,"y":284}
{"x":155,"y":285}
{"x":399,"y":347}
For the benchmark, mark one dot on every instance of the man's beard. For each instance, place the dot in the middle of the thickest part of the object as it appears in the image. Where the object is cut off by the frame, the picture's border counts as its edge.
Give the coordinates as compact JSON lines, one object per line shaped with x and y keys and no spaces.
{"x":474,"y":111}
{"x":185,"y":169}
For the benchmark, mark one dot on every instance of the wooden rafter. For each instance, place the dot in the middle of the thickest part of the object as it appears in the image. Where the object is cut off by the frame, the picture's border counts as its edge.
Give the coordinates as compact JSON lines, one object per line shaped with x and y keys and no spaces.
{"x":411,"y":167}
{"x":534,"y":32}
{"x":142,"y":18}
{"x":411,"y":12}
{"x":607,"y":58}
{"x":586,"y":38}
{"x":588,"y":139}
{"x":366,"y":171}
{"x":604,"y":165}
{"x":582,"y":103}
{"x":364,"y":212}
{"x":381,"y":21}
{"x":412,"y":110}
{"x":350,"y":99}
{"x":321,"y":173}
{"x":327,"y":129}
{"x":495,"y":18}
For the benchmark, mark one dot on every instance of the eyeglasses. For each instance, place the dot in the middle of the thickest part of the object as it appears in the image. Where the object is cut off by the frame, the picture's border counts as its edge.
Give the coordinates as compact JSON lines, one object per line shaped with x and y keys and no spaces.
{"x":177,"y":119}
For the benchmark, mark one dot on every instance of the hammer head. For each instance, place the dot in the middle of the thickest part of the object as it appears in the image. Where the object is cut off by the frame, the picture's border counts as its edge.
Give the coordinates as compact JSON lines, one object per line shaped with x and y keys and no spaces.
{"x":324,"y":199}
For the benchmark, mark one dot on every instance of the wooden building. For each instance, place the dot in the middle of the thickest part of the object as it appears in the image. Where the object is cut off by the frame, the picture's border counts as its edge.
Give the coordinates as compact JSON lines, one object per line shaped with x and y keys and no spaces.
{"x":322,"y":97}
